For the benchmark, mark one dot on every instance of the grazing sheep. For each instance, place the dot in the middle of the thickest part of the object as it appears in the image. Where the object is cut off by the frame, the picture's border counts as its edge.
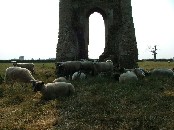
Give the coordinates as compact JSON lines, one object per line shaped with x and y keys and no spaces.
{"x":78,"y":75}
{"x":18,"y":74}
{"x":57,"y":64}
{"x":68,"y":68}
{"x":163,"y":72}
{"x":53,"y":90}
{"x":60,"y":79}
{"x":29,"y":66}
{"x":128,"y":77}
{"x":103,"y":67}
{"x":87,"y":67}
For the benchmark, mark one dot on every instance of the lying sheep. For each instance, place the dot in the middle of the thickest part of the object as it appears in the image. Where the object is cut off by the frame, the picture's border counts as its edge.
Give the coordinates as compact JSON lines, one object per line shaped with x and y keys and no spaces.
{"x":78,"y":75}
{"x":163,"y":72}
{"x":60,"y":79}
{"x":53,"y":90}
{"x":29,"y":66}
{"x":68,"y":68}
{"x":103,"y":67}
{"x":131,"y":76}
{"x":18,"y":74}
{"x":128,"y":77}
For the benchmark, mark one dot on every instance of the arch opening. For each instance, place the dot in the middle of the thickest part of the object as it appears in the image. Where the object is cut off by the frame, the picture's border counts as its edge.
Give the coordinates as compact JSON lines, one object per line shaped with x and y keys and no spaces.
{"x":96,"y":35}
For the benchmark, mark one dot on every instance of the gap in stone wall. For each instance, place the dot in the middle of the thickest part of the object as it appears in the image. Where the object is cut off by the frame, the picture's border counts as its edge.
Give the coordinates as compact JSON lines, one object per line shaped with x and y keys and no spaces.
{"x":96,"y":36}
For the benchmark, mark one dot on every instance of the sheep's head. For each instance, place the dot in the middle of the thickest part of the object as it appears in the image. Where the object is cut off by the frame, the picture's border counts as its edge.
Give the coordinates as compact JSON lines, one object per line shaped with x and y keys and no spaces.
{"x":61,"y":70}
{"x":37,"y":85}
{"x":139,"y":73}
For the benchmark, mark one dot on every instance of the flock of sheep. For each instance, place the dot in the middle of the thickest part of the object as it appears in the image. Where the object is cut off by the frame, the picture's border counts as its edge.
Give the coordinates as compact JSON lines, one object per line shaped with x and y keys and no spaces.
{"x":73,"y":70}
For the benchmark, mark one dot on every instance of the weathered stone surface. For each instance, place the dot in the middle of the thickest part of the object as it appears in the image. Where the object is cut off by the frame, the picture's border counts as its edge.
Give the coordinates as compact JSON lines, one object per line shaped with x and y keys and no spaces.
{"x":120,"y":41}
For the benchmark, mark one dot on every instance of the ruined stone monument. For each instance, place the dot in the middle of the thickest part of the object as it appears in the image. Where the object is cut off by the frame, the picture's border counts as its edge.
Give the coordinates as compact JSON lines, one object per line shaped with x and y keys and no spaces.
{"x":120,"y":41}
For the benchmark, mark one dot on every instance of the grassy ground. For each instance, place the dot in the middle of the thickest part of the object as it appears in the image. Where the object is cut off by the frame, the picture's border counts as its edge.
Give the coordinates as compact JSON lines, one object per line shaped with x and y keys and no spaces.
{"x":98,"y":104}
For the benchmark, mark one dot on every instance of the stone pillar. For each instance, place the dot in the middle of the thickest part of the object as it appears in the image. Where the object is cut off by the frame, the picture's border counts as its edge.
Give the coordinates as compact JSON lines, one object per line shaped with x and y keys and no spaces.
{"x":128,"y":52}
{"x":67,"y":47}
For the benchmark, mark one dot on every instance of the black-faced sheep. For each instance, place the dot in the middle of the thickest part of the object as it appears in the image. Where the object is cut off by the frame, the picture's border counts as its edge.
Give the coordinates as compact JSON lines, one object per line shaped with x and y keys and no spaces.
{"x":18,"y":74}
{"x":53,"y":90}
{"x":29,"y":66}
{"x":139,"y":73}
{"x":68,"y":68}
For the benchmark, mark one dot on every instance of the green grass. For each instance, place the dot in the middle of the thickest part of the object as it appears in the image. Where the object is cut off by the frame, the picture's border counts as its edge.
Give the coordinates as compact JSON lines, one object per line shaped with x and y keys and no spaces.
{"x":98,"y":104}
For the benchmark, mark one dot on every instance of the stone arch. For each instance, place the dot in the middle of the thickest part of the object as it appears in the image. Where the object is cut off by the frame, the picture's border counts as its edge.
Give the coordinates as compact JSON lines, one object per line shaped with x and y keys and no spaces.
{"x":96,"y":9}
{"x":120,"y":41}
{"x":96,"y":35}
{"x":103,"y":14}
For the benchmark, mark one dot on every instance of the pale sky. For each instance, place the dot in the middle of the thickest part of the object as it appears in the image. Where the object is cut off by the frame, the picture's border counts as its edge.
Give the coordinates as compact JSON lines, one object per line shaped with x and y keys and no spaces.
{"x":29,"y":28}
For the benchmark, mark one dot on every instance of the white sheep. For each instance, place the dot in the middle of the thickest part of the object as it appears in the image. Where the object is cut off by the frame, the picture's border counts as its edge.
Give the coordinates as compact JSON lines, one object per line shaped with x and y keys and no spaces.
{"x":128,"y":77}
{"x":60,"y":79}
{"x":103,"y":67}
{"x":78,"y":75}
{"x":162,"y":72}
{"x":18,"y":74}
{"x":131,"y":76}
{"x":53,"y":90}
{"x":29,"y":66}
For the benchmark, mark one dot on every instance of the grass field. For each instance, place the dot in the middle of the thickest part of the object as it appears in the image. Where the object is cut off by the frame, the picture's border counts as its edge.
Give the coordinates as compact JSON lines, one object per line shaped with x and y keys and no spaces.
{"x":98,"y":104}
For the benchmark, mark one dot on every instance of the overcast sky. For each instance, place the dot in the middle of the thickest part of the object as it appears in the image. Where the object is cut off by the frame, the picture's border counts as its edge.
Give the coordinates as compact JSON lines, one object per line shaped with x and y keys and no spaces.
{"x":30,"y":28}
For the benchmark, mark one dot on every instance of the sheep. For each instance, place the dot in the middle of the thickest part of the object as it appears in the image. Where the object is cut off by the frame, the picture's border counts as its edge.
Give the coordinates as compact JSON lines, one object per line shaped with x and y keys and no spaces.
{"x":146,"y":73}
{"x":139,"y":73}
{"x":103,"y":67}
{"x":78,"y":75}
{"x":60,"y":79}
{"x":57,"y":64}
{"x":131,"y":76}
{"x":53,"y":90}
{"x":29,"y":66}
{"x":128,"y":77}
{"x":18,"y":74}
{"x":87,"y":67}
{"x":68,"y":68}
{"x":162,"y":72}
